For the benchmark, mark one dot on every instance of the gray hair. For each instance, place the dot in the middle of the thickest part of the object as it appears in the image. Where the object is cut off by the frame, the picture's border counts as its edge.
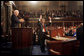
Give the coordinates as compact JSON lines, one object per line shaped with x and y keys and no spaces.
{"x":81,"y":24}
{"x":16,"y":11}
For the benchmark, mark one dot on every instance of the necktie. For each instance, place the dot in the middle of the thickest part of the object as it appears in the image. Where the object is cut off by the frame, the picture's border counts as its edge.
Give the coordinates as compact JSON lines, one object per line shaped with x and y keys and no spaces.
{"x":44,"y":28}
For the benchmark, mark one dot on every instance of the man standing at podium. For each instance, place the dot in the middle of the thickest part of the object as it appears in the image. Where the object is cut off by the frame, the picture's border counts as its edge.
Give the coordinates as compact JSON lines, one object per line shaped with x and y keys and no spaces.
{"x":15,"y":20}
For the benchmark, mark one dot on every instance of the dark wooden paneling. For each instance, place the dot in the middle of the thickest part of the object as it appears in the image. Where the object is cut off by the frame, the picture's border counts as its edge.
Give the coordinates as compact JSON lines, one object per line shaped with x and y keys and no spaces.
{"x":21,"y":37}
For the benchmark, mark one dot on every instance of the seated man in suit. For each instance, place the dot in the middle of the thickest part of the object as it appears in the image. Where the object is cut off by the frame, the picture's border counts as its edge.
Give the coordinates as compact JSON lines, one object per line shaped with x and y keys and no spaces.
{"x":74,"y":32}
{"x":14,"y":19}
{"x":70,"y":31}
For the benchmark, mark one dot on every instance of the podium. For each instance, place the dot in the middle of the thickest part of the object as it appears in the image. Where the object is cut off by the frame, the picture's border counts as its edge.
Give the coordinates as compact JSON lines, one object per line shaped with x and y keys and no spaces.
{"x":22,"y":40}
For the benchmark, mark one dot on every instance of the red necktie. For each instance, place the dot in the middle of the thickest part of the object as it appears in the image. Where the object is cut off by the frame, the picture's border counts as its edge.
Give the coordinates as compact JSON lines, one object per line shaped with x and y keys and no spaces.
{"x":44,"y":28}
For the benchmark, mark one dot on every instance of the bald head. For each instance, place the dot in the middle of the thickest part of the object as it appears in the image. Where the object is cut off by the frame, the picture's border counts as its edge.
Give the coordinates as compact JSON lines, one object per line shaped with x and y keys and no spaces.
{"x":16,"y":12}
{"x":82,"y":24}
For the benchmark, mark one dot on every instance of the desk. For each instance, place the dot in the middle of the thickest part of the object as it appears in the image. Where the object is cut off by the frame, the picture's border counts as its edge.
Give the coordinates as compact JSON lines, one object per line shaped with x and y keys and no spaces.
{"x":64,"y":45}
{"x":66,"y":38}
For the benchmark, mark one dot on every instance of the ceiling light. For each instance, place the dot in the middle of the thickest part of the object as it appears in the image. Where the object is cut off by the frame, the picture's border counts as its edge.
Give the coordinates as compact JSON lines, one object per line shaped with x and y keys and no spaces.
{"x":33,"y":2}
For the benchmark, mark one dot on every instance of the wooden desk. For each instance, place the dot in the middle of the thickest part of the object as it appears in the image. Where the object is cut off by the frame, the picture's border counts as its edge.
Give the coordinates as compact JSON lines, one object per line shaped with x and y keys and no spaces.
{"x":64,"y":46}
{"x":62,"y":38}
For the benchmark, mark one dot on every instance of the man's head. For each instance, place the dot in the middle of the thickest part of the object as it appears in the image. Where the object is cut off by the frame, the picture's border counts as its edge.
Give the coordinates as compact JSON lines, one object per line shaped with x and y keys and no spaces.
{"x":43,"y":20}
{"x":16,"y":12}
{"x":81,"y":24}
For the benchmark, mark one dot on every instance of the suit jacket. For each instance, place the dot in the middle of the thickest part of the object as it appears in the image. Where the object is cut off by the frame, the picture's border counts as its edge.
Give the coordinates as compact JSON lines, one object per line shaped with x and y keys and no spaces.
{"x":70,"y":33}
{"x":79,"y":33}
{"x":41,"y":26}
{"x":14,"y":21}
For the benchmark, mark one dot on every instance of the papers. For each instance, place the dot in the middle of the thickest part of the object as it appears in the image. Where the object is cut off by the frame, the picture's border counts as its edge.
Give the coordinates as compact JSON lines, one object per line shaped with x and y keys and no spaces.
{"x":64,"y":38}
{"x":48,"y":35}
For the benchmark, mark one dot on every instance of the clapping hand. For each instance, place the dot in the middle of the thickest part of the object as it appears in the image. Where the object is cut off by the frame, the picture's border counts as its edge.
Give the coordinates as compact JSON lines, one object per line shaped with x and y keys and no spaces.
{"x":22,"y":20}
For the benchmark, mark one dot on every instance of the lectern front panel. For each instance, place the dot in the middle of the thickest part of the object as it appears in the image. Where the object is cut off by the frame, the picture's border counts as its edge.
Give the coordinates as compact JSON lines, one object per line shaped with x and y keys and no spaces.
{"x":21,"y":37}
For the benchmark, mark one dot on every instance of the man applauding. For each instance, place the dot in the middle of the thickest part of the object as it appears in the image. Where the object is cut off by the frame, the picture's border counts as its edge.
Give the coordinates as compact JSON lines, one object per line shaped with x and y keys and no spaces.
{"x":14,"y":19}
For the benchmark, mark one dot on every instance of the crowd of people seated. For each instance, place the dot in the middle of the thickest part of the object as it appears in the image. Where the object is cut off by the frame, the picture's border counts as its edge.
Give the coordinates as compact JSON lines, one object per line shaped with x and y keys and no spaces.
{"x":70,"y":31}
{"x":52,"y":13}
{"x":67,"y":31}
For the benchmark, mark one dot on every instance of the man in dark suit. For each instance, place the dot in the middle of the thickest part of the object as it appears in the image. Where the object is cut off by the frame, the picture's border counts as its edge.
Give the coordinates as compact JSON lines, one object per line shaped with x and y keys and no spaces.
{"x":42,"y":33}
{"x":14,"y":19}
{"x":79,"y":33}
